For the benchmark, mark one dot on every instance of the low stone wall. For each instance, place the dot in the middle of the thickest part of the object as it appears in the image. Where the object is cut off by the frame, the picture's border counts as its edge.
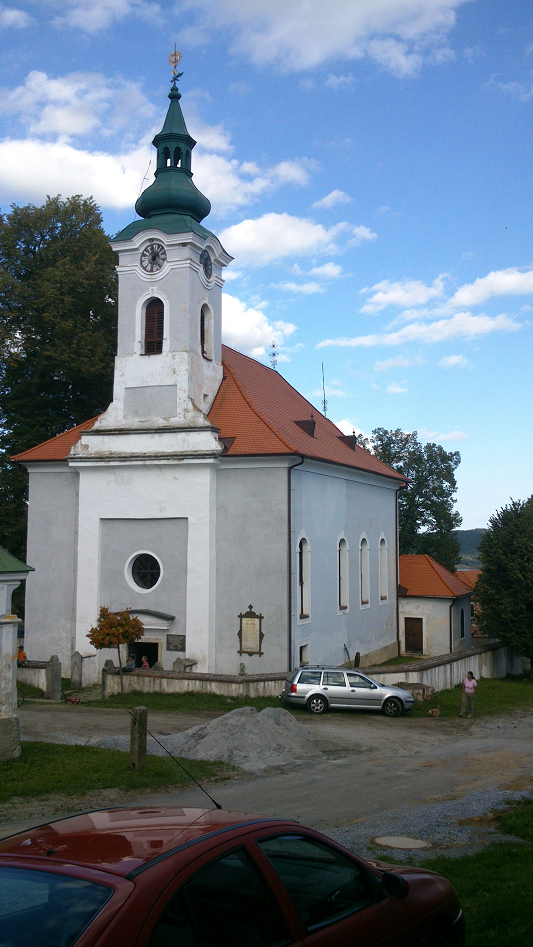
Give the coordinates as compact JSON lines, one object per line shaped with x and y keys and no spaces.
{"x":33,"y":673}
{"x":445,"y":672}
{"x":170,"y":682}
{"x":43,"y":674}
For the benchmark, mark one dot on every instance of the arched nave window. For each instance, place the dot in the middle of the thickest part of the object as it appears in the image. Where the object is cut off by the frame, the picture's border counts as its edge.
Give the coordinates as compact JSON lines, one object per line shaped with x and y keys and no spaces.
{"x":383,"y":571}
{"x":303,"y":578}
{"x":364,"y":571}
{"x":342,"y":574}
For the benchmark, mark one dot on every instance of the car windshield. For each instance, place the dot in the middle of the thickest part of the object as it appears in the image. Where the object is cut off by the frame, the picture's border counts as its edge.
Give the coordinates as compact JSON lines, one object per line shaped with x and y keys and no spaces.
{"x":44,"y":909}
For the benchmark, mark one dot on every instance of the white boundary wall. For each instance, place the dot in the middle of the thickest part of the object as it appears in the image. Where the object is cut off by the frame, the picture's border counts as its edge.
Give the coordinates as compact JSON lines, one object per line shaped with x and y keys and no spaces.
{"x":445,"y":672}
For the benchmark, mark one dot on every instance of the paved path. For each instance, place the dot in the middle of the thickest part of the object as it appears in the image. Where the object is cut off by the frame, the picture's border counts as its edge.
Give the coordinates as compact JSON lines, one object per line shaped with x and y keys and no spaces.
{"x":372,"y":766}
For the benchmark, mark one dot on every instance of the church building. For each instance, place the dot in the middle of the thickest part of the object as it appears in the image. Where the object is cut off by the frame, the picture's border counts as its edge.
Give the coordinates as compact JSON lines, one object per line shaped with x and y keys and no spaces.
{"x":209,"y":488}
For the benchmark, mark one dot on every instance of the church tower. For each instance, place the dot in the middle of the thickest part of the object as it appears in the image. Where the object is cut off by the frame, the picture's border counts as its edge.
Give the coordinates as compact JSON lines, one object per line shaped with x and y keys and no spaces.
{"x":168,"y":367}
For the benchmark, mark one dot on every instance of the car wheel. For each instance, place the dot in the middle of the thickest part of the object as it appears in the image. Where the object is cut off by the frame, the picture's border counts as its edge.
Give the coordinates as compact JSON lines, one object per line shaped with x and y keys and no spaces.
{"x":317,"y":705}
{"x":392,"y":707}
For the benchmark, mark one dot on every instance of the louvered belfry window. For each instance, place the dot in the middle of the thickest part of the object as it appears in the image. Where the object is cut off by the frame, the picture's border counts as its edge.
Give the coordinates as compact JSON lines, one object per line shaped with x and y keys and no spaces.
{"x":153,"y":327}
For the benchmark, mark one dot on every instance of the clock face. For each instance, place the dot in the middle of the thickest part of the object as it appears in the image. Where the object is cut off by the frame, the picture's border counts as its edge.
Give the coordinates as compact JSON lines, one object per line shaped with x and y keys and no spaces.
{"x":206,"y":264}
{"x":153,"y":257}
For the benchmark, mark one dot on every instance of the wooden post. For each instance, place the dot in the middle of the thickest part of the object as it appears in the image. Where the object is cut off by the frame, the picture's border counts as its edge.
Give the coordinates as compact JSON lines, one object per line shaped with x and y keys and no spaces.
{"x":139,"y":722}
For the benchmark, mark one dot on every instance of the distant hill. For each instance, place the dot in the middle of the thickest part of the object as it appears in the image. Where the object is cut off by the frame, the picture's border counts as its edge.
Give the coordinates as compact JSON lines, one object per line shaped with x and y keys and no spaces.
{"x":469,"y":540}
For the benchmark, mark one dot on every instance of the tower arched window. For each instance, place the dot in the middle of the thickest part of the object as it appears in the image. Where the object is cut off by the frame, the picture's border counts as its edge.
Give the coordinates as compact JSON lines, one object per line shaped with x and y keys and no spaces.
{"x":177,"y":157}
{"x":303,"y":578}
{"x":383,"y":571}
{"x":364,"y":571}
{"x":154,"y":326}
{"x":166,"y":157}
{"x":207,"y":344}
{"x":342,"y":574}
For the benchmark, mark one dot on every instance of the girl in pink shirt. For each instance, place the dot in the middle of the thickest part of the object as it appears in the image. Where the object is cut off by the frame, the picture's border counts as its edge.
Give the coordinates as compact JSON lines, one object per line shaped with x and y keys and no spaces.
{"x":469,"y":693}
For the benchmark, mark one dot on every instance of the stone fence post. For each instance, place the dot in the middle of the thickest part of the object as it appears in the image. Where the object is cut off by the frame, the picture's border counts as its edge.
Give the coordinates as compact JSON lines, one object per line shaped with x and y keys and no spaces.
{"x":53,"y":678}
{"x":9,"y":722}
{"x":76,"y":663}
{"x":138,"y":724}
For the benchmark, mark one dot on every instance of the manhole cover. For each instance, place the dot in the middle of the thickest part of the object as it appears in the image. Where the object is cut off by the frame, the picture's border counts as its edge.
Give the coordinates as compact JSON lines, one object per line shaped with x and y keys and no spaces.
{"x":401,"y":841}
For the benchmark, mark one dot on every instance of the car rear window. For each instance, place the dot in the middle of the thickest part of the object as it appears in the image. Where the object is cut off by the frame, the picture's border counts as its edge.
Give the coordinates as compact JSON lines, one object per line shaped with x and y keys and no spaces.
{"x":293,"y":675}
{"x":44,"y":909}
{"x":309,"y":677}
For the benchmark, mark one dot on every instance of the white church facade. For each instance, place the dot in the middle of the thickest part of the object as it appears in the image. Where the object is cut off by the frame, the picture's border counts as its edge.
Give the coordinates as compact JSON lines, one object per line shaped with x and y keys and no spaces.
{"x":209,"y":485}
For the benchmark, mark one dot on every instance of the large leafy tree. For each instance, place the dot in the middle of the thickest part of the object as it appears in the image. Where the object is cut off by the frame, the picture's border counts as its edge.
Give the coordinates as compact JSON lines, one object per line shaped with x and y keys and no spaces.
{"x":57,"y":335}
{"x":504,"y":590}
{"x":426,"y":514}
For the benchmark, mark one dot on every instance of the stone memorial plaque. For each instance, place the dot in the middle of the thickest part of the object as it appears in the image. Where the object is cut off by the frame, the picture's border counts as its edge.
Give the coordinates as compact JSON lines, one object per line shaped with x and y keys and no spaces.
{"x":250,"y":633}
{"x":176,"y":643}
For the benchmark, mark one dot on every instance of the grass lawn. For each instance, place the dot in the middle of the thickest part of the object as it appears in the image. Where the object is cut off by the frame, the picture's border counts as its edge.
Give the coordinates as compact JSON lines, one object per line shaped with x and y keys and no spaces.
{"x":188,"y":702}
{"x":492,"y":697}
{"x":402,"y":659}
{"x":44,"y":768}
{"x":494,"y":886}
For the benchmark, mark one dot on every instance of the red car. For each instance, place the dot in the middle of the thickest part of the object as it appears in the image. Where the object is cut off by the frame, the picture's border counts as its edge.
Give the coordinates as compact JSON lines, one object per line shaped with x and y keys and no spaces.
{"x":168,"y":877}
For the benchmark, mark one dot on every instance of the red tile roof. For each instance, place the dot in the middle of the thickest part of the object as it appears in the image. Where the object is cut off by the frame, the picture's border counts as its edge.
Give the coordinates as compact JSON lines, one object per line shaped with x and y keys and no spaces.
{"x":257,"y":411}
{"x":425,"y":578}
{"x":57,"y":448}
{"x":469,"y":576}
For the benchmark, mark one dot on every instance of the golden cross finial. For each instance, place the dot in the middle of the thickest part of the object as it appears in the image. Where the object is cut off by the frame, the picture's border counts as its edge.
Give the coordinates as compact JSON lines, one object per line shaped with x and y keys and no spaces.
{"x":174,"y":60}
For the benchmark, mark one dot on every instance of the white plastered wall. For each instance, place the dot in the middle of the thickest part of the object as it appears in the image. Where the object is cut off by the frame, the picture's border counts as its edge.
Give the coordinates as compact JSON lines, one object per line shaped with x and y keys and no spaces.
{"x":150,"y":490}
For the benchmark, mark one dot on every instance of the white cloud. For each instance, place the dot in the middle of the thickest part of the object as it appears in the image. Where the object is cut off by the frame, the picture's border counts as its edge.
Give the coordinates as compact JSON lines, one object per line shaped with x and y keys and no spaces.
{"x":348,"y":427}
{"x":327,"y":271}
{"x":248,"y":330}
{"x":360,"y":234}
{"x":402,"y":293}
{"x":275,"y":236}
{"x":230,"y":275}
{"x":434,"y":437}
{"x":398,"y":34}
{"x":75,"y":104}
{"x":13,"y":18}
{"x":308,"y":289}
{"x":340,"y":82}
{"x":396,"y":57}
{"x":517,"y":90}
{"x":462,"y":325}
{"x":396,"y":390}
{"x":399,"y":362}
{"x":113,"y":180}
{"x":509,"y":282}
{"x":330,"y":393}
{"x":92,"y":16}
{"x":333,"y":198}
{"x":454,"y":361}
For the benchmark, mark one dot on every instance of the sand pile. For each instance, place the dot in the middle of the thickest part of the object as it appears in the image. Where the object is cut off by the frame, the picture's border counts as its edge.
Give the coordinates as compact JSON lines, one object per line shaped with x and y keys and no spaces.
{"x":249,"y":739}
{"x":243,"y":737}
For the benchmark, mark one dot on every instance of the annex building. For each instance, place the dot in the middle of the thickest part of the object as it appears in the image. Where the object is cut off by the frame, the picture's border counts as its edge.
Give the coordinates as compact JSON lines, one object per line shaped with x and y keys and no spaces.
{"x":209,"y":487}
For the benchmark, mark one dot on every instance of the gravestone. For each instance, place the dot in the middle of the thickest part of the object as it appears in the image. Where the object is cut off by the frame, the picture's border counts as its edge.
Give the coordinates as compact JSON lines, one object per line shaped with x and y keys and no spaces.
{"x":76,"y":674}
{"x":53,"y":678}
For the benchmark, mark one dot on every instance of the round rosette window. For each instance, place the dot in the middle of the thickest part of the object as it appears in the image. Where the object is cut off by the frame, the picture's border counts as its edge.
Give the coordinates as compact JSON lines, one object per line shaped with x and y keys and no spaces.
{"x":144,"y":571}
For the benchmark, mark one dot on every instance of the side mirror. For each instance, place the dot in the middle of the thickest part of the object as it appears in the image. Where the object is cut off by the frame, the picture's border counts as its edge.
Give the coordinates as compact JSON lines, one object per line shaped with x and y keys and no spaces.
{"x":394,"y":886}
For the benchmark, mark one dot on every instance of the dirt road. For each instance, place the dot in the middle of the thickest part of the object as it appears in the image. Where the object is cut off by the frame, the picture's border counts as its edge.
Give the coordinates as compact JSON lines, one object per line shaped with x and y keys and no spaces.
{"x":371,"y":764}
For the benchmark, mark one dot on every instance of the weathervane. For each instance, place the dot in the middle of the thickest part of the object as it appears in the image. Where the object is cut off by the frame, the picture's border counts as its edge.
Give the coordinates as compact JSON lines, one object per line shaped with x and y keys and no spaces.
{"x":174,"y":60}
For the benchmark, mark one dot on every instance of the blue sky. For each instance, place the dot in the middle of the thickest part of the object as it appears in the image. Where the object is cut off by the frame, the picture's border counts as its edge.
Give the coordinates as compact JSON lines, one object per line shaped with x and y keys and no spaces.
{"x":369,"y":163}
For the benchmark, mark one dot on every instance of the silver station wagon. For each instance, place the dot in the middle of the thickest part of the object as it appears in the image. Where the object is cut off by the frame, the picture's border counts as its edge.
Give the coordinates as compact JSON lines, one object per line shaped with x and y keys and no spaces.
{"x":319,"y":689}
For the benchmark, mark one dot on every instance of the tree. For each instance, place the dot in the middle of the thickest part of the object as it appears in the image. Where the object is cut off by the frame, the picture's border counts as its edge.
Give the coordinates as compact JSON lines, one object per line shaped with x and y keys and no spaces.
{"x":57,"y":335}
{"x":113,"y":629}
{"x":504,"y":590}
{"x":426,"y":516}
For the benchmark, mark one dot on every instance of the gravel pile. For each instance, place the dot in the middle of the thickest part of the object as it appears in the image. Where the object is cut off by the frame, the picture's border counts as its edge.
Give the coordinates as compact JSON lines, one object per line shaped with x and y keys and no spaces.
{"x":243,"y":737}
{"x":440,"y":823}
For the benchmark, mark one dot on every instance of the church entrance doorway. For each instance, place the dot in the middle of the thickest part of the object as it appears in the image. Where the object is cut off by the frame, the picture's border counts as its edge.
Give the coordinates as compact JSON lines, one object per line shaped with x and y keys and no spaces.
{"x":413,"y":636}
{"x":140,"y":648}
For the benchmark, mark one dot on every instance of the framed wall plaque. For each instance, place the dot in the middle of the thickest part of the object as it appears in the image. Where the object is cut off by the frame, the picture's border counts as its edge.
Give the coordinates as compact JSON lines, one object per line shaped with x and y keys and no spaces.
{"x":250,"y":632}
{"x":176,"y":643}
